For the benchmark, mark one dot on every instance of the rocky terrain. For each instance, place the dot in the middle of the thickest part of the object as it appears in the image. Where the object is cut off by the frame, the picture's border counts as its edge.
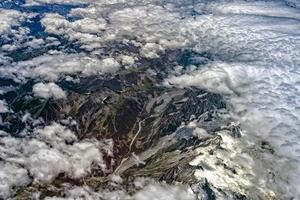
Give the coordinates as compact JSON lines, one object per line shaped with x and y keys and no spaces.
{"x":156,"y":131}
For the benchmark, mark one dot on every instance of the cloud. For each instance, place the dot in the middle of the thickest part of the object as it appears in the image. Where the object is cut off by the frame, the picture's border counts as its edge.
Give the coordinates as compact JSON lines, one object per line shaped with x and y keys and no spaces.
{"x":53,"y":66}
{"x":141,"y":23}
{"x":216,"y":77}
{"x":127,"y":60}
{"x":110,"y":64}
{"x":48,"y":90}
{"x":40,"y":2}
{"x":258,"y":8}
{"x":48,"y":152}
{"x":11,"y":31}
{"x":150,"y":191}
{"x":164,"y":192}
{"x":256,"y":49}
{"x":12,"y":18}
{"x":35,"y":43}
{"x":3,"y":106}
{"x":84,"y":30}
{"x":57,"y":24}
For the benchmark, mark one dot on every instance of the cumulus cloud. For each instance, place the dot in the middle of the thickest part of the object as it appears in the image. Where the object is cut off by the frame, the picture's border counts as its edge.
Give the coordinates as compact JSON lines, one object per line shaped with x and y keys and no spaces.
{"x":143,"y":22}
{"x":12,"y":18}
{"x":110,"y":64}
{"x":3,"y":106}
{"x":55,"y":65}
{"x":127,"y":60}
{"x":84,"y":30}
{"x":35,"y":43}
{"x":12,"y":34}
{"x":48,"y":90}
{"x":265,"y":79}
{"x":57,"y":24}
{"x":257,"y":45}
{"x":39,"y":2}
{"x":164,"y":192}
{"x":152,"y":191}
{"x":217,"y":77}
{"x":266,"y":9}
{"x":48,"y":152}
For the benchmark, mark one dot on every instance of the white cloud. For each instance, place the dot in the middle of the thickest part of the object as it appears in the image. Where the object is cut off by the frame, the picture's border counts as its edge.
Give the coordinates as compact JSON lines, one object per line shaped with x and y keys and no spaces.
{"x":164,"y":192}
{"x":11,"y":175}
{"x":84,"y":30}
{"x":39,"y":2}
{"x":110,"y":64}
{"x":48,"y":90}
{"x":9,"y":47}
{"x":152,"y":191}
{"x":127,"y":60}
{"x":11,"y":29}
{"x":257,"y":45}
{"x":155,"y":28}
{"x":55,"y":65}
{"x":266,"y":9}
{"x":12,"y":18}
{"x":217,"y":77}
{"x":47,"y":153}
{"x":244,"y":173}
{"x":3,"y":106}
{"x":35,"y":43}
{"x":151,"y":50}
{"x":57,"y":24}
